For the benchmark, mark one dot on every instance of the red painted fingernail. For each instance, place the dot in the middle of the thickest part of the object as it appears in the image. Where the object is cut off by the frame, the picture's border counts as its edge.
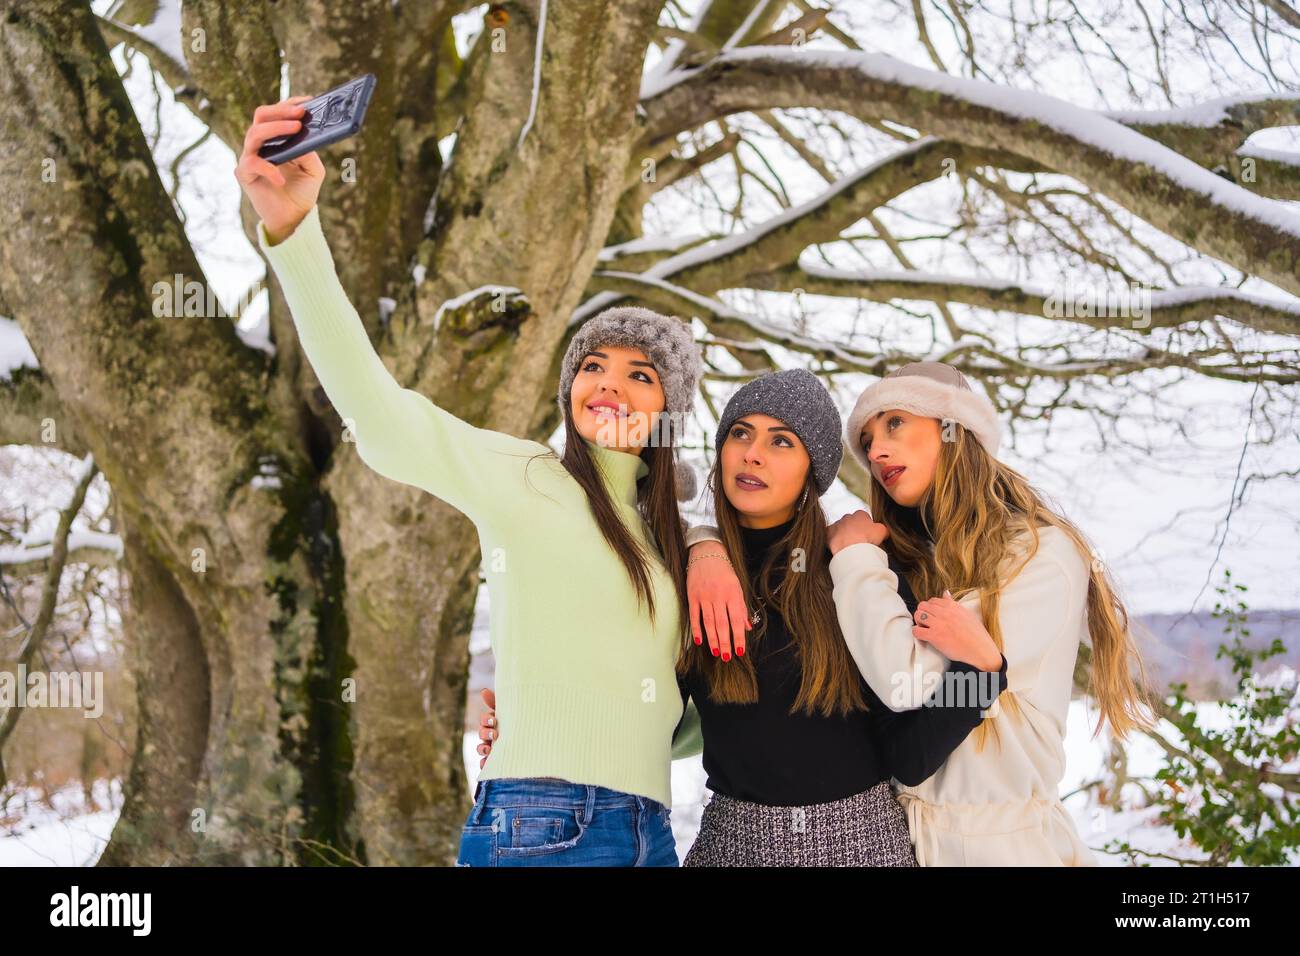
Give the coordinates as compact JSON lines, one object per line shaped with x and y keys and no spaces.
{"x":726,"y":656}
{"x":740,"y":652}
{"x":715,"y":651}
{"x":698,"y":641}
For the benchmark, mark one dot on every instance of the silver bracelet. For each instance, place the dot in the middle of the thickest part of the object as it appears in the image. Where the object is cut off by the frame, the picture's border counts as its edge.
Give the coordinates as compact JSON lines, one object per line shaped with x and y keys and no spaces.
{"x":711,"y":554}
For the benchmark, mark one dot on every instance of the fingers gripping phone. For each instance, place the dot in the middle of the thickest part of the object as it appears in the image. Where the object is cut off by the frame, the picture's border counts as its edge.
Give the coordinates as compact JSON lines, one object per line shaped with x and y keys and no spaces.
{"x":330,"y":117}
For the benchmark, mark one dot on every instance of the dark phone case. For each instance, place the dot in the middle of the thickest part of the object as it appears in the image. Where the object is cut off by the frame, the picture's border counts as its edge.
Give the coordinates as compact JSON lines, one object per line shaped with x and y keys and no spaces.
{"x":330,"y":117}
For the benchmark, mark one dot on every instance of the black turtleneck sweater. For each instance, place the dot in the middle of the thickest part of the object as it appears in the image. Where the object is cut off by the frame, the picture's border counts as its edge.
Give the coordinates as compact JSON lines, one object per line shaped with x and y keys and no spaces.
{"x":762,"y":753}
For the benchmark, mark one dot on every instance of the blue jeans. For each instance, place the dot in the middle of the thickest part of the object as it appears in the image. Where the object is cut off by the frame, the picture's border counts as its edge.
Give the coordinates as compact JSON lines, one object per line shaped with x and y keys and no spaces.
{"x":529,"y":821}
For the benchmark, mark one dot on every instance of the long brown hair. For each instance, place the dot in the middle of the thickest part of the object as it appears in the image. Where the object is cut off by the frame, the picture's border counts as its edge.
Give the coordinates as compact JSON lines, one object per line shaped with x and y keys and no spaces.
{"x":656,"y":498}
{"x":971,"y":519}
{"x":830,"y":682}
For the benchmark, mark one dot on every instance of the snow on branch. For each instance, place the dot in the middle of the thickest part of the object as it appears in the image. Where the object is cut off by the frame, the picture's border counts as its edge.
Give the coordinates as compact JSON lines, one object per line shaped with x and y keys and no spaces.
{"x":91,"y":548}
{"x":682,"y":299}
{"x":778,"y":241}
{"x":498,"y":293}
{"x":1164,"y":307}
{"x":1247,"y":111}
{"x":1208,"y":212}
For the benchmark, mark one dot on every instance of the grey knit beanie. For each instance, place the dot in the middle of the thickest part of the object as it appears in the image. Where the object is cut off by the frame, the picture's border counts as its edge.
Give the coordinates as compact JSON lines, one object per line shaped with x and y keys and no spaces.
{"x":931,"y":389}
{"x":667,"y":341}
{"x":798,"y":398}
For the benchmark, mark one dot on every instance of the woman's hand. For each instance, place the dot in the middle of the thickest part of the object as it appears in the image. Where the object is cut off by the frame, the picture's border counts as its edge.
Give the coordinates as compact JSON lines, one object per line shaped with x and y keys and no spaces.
{"x":487,"y":725}
{"x":282,"y":195}
{"x":855,"y":528}
{"x":956,"y":632}
{"x":713,"y":593}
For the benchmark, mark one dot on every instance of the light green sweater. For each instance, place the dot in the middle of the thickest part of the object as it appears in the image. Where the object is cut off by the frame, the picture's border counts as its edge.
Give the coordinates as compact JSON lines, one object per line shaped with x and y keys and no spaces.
{"x":585,"y":687}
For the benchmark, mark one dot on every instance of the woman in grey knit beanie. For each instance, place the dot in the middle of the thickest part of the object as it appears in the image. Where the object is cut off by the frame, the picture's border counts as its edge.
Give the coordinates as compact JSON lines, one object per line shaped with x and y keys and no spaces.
{"x":667,"y":344}
{"x":627,"y":381}
{"x":583,"y":777}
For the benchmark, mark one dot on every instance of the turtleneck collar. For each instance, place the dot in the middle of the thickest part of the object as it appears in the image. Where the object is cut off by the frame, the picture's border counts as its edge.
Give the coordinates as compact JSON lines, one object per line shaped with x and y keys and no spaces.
{"x":621,"y":470}
{"x":758,"y":541}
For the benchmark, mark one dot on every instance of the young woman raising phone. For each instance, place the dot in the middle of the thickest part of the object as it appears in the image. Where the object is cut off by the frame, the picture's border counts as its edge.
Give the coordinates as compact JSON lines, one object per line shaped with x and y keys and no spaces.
{"x":587,"y":607}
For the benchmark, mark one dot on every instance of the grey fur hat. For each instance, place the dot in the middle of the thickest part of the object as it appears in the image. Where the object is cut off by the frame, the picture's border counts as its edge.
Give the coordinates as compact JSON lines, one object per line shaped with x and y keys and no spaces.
{"x":668,"y":342}
{"x":798,"y":398}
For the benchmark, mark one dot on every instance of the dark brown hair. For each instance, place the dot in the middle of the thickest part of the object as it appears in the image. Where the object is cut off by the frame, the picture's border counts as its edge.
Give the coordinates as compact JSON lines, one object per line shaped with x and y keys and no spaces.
{"x":656,"y":497}
{"x":830,"y":681}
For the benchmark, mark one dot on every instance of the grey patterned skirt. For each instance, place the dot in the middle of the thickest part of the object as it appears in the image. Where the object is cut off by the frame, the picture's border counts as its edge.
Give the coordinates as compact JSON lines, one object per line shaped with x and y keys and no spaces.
{"x":866,"y":829}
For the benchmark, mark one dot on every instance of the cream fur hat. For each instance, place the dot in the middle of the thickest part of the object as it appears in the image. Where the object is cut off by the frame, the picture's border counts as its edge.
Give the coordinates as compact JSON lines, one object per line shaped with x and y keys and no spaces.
{"x":932,"y":389}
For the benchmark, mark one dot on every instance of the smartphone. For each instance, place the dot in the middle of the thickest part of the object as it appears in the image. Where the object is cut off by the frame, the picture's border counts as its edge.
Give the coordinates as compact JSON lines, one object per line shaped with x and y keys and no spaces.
{"x":330,"y":117}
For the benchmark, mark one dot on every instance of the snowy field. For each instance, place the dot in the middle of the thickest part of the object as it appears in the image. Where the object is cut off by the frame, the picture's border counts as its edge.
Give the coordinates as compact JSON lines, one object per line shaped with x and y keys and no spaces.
{"x":66,"y":835}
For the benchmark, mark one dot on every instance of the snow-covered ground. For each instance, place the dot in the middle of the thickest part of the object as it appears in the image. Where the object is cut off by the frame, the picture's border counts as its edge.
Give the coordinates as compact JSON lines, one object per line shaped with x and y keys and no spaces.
{"x":36,"y":835}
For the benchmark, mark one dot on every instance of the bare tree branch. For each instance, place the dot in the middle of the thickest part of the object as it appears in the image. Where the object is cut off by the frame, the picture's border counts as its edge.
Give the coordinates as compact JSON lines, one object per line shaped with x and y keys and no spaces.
{"x":49,"y":594}
{"x":1169,"y":191}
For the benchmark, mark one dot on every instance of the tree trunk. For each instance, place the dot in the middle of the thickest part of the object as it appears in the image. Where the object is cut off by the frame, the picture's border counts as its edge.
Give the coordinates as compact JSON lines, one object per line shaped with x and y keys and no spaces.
{"x":329,"y":571}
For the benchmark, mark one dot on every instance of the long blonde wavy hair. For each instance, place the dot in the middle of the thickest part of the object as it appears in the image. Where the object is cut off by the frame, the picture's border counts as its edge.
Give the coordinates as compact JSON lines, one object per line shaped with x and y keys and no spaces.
{"x":973,"y":518}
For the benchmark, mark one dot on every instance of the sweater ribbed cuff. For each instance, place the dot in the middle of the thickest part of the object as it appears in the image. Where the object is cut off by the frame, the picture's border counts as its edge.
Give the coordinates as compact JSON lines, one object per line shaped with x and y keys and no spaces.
{"x":305,"y":267}
{"x":857,"y":556}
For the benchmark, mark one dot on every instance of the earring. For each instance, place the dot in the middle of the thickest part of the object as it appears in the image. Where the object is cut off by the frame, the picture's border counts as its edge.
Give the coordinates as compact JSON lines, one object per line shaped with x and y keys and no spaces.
{"x":804,"y":499}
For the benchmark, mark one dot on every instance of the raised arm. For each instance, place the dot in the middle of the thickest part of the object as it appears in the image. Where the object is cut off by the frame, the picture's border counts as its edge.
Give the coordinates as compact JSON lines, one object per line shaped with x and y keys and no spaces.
{"x":398,"y":432}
